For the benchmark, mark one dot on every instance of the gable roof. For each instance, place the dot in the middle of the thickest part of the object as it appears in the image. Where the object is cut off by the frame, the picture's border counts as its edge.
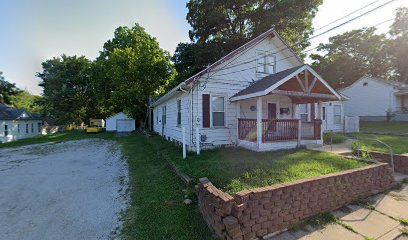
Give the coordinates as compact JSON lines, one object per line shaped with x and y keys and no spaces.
{"x":396,"y":84}
{"x":266,"y":82}
{"x":230,"y":55}
{"x":8,"y":112}
{"x":269,"y":83}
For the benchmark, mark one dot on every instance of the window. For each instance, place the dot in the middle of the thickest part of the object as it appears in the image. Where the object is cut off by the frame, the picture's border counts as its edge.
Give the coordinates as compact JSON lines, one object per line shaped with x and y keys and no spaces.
{"x":265,"y":63}
{"x":164,"y":115}
{"x":178,"y":112}
{"x":157,"y":116}
{"x":337,"y":114}
{"x":18,"y":128}
{"x":26,"y":127}
{"x":5,"y":130}
{"x":323,"y":113}
{"x":303,"y":112}
{"x":32,"y":127}
{"x":218,"y":114}
{"x":39,"y":127}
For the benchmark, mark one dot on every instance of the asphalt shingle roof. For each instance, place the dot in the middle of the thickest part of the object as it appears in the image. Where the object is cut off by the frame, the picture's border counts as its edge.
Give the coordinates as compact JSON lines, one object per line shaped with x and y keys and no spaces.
{"x":267,"y":81}
{"x":8,"y":112}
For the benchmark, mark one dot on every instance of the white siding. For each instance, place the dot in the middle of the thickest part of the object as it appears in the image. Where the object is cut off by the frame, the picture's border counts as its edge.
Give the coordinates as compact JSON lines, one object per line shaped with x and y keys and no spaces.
{"x":374,"y":99}
{"x":225,"y":80}
{"x":329,"y":124}
{"x":233,"y":76}
{"x":171,"y":129}
{"x":14,"y":134}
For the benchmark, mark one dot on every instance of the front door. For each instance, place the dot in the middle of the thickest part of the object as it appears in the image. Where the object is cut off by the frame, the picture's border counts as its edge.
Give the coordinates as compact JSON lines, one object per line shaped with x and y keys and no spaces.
{"x":271,"y":111}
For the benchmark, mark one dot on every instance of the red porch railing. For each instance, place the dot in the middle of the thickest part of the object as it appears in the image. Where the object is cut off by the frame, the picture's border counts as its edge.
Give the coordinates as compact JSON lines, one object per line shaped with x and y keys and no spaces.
{"x":247,"y":129}
{"x":280,"y":129}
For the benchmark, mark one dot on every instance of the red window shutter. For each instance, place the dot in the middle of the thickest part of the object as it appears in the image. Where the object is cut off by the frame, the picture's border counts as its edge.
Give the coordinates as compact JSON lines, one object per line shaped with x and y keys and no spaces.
{"x":206,"y":110}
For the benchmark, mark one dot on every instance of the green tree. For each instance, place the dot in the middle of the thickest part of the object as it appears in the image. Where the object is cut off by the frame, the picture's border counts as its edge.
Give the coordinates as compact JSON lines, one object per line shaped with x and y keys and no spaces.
{"x":135,"y":67}
{"x":27,"y":101}
{"x":218,"y":27}
{"x":7,"y":89}
{"x":350,"y":55}
{"x":398,"y":48}
{"x":67,"y":89}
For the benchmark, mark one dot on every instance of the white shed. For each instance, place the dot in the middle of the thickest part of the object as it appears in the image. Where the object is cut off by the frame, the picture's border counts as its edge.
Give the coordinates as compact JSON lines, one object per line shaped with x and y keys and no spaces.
{"x":120,"y":122}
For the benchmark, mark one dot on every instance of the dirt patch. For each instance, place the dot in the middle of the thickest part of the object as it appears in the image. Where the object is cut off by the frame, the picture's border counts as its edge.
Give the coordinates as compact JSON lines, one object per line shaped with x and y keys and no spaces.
{"x":70,"y":190}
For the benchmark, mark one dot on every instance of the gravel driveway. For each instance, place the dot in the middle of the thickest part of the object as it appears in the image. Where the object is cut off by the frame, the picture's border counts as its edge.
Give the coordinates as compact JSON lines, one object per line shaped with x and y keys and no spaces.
{"x":70,"y":190}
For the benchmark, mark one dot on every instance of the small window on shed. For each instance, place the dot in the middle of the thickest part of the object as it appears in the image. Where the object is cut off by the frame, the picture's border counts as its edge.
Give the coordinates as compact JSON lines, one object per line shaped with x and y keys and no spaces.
{"x":365,"y":84}
{"x":5,"y":130}
{"x":164,"y":115}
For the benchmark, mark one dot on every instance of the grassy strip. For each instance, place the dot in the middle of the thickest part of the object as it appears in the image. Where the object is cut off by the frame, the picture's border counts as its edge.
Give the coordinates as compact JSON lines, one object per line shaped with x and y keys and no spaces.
{"x":156,"y":209}
{"x":385,"y":127}
{"x":235,"y":169}
{"x":367,"y":142}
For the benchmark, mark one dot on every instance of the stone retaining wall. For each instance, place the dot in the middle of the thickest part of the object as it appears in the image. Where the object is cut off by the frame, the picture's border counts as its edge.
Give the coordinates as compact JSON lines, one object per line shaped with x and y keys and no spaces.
{"x":400,"y":161}
{"x":262,"y":211}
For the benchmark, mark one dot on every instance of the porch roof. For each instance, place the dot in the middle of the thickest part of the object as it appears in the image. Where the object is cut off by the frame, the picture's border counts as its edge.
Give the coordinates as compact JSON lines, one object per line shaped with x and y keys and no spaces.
{"x":293,"y":82}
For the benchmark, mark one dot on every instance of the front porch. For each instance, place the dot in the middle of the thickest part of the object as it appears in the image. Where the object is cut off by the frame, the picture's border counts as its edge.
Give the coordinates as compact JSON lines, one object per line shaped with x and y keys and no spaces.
{"x":283,"y":110}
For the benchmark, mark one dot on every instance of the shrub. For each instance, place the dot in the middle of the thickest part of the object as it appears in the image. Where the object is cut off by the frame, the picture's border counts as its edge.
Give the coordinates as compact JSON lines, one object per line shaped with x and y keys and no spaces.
{"x":335,"y":138}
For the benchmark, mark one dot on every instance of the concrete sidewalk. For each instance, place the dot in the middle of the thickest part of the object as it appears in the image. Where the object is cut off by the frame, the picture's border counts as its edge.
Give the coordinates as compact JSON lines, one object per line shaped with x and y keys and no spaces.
{"x":379,"y":217}
{"x":341,"y":149}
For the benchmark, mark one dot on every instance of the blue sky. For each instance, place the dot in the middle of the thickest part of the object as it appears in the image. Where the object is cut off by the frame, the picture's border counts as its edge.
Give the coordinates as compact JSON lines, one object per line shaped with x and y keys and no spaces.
{"x":32,"y":31}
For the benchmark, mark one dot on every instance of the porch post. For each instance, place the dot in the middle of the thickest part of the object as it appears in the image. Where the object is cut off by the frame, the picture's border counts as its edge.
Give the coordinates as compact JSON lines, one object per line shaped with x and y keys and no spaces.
{"x":259,"y":121}
{"x":319,"y":110}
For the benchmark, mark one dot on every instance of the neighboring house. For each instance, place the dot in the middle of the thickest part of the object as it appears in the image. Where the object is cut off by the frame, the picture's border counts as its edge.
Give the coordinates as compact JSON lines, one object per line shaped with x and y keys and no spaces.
{"x":372,"y":98}
{"x":17,"y":123}
{"x":120,"y":122}
{"x":253,"y":97}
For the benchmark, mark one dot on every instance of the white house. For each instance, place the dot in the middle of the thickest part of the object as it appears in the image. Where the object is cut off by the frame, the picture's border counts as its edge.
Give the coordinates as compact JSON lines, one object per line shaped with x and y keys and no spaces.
{"x":371,"y":98}
{"x":260,"y":96}
{"x":120,"y":122}
{"x":17,"y":123}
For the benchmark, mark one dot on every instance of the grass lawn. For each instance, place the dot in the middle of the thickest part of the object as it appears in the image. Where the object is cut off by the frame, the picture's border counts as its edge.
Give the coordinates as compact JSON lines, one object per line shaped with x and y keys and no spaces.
{"x":235,"y":169}
{"x":156,"y":209}
{"x":384,"y":127}
{"x":399,"y":144}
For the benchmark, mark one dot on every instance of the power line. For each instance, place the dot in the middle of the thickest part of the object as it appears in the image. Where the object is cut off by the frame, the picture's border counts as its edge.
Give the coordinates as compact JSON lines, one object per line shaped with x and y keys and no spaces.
{"x":357,"y":10}
{"x":355,"y":18}
{"x":283,"y":49}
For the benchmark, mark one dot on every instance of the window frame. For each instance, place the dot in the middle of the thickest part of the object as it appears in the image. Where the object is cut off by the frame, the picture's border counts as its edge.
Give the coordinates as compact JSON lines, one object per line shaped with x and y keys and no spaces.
{"x":18,"y":128}
{"x":32,"y":127}
{"x":164,"y":116}
{"x":26,"y":128}
{"x":6,"y":130}
{"x":212,"y":112}
{"x":307,"y":112}
{"x":178,"y":103}
{"x":337,"y":115}
{"x":260,"y":55}
{"x":39,"y":127}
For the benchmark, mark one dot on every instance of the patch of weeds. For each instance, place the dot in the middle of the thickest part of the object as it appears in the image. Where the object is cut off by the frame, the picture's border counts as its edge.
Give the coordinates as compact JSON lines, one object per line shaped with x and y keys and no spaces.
{"x":346,"y":226}
{"x":365,"y":203}
{"x":318,"y":221}
{"x":405,"y":231}
{"x":369,"y":238}
{"x":321,"y":220}
{"x":397,"y":196}
{"x":404,"y":221}
{"x":404,"y":181}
